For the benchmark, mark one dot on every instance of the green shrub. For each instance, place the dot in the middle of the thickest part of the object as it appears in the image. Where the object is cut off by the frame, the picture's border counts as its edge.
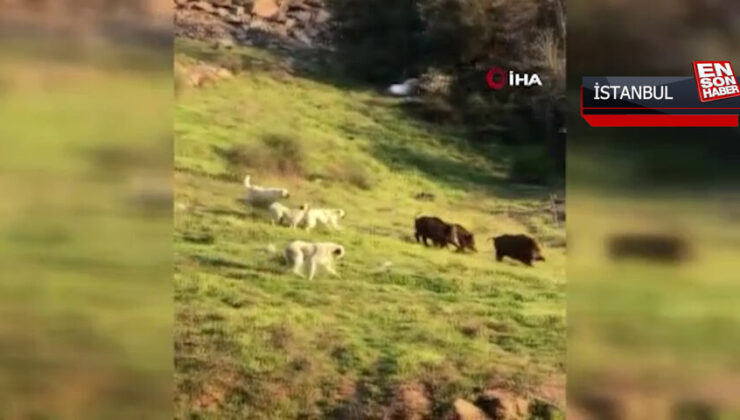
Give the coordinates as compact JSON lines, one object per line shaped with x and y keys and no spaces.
{"x":353,"y":173}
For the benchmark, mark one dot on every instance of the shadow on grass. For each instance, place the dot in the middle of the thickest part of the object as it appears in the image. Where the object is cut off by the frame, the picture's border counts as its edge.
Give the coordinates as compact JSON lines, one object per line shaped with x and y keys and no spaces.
{"x":320,"y":66}
{"x":452,"y":172}
{"x":218,"y":262}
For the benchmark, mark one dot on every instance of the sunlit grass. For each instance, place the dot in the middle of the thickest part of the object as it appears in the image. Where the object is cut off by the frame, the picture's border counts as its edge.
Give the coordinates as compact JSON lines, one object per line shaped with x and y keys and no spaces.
{"x":85,"y":295}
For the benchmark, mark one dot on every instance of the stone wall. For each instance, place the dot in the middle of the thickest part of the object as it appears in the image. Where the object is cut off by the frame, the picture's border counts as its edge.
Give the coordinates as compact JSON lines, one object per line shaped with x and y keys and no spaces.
{"x":305,"y":22}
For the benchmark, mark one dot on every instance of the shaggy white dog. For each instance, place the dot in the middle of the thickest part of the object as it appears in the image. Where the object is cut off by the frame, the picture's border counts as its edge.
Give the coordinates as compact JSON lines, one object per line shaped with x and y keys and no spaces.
{"x":283,"y":214}
{"x":327,"y":217}
{"x":312,"y":255}
{"x":263,"y":196}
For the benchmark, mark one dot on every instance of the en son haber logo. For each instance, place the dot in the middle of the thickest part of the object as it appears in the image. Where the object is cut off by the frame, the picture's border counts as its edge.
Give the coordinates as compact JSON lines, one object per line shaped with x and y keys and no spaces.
{"x":715,"y":80}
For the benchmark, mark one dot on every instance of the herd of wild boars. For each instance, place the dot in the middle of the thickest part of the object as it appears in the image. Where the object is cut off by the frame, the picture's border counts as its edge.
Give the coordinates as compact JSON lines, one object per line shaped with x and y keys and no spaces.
{"x":518,"y":247}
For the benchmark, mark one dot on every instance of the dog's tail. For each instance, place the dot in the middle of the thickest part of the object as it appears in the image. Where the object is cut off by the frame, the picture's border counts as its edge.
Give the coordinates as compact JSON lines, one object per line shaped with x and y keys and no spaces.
{"x":247,"y":181}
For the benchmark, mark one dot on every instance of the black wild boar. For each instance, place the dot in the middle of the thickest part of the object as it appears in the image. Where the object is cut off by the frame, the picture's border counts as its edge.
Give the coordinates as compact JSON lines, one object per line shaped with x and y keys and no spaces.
{"x":437,"y":230}
{"x":518,"y":247}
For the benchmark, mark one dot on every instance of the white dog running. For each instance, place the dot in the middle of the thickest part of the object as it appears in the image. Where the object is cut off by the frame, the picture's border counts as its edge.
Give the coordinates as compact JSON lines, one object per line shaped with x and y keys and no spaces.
{"x":282,"y":214}
{"x":327,"y":217}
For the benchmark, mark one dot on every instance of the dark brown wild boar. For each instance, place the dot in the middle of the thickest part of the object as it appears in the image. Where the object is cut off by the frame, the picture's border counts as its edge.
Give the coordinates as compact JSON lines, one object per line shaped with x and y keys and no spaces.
{"x":518,"y":247}
{"x":437,"y":230}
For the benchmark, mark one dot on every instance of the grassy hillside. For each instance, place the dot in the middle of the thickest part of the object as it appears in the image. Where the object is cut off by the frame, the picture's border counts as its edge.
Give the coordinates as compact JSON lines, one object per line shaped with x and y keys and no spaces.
{"x":253,"y":341}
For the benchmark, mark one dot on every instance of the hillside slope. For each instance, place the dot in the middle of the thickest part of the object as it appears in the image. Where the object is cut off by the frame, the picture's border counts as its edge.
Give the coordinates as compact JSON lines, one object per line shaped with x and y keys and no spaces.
{"x":253,"y":341}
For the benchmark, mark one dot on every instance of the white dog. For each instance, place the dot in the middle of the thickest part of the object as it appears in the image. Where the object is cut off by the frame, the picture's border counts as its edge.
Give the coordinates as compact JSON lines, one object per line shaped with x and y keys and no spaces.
{"x":327,"y":217}
{"x":282,"y":214}
{"x":300,"y":254}
{"x":263,"y":196}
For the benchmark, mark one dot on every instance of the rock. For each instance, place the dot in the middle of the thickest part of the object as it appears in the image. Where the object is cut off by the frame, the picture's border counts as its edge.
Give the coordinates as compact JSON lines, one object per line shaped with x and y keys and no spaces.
{"x":410,"y":403}
{"x":301,"y":36}
{"x":312,"y":31}
{"x":204,"y":6}
{"x":294,"y":6}
{"x":322,"y":16}
{"x":266,"y":9}
{"x":305,"y":21}
{"x":463,"y":410}
{"x":302,"y":16}
{"x":280,"y":30}
{"x":231,"y":18}
{"x":196,"y":24}
{"x":241,"y":36}
{"x":502,"y":405}
{"x":259,"y":24}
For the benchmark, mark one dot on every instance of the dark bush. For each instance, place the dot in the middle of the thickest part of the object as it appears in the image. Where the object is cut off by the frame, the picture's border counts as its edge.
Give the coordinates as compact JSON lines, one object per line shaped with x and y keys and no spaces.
{"x":532,"y":165}
{"x":353,"y":173}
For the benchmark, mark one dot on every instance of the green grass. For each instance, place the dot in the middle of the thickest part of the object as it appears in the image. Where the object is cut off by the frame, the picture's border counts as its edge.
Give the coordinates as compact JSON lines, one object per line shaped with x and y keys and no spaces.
{"x":253,"y":341}
{"x":85,"y":296}
{"x":641,"y":331}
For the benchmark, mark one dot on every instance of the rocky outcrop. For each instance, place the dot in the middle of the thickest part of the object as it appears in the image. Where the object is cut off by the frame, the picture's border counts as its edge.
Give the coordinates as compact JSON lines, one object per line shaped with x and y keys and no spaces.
{"x":410,"y":402}
{"x":499,"y":404}
{"x":302,"y":22}
{"x":502,"y":405}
